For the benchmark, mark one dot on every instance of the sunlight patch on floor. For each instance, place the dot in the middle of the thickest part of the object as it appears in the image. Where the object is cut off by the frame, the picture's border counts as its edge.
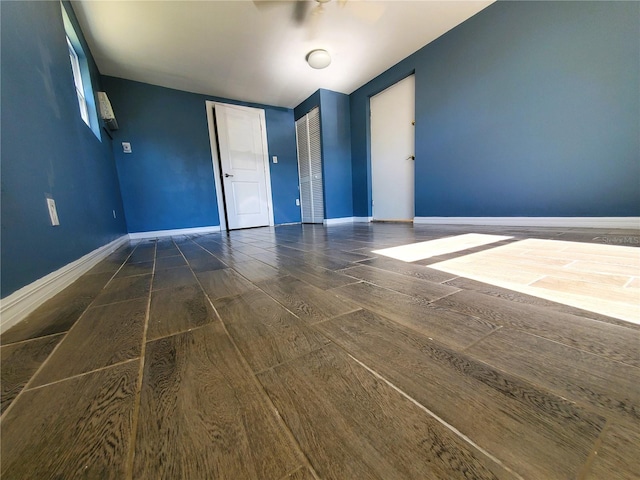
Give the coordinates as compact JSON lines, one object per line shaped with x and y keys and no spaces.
{"x":441,"y":246}
{"x":600,"y":278}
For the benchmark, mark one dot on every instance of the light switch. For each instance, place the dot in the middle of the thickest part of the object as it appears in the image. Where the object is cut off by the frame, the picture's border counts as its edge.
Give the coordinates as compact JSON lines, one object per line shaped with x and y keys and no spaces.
{"x":126,"y":147}
{"x":53,"y":213}
{"x":298,"y":202}
{"x":275,"y":159}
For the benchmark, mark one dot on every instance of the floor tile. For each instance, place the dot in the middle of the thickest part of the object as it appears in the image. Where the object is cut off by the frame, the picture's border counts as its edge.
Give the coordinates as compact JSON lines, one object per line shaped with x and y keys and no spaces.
{"x":173,"y":277}
{"x":535,"y":433}
{"x":126,"y":288}
{"x":223,"y":283}
{"x":59,"y":313}
{"x":617,"y":458}
{"x":20,"y":361}
{"x":611,"y":341}
{"x":197,"y":392}
{"x":103,"y":336}
{"x":351,"y":424}
{"x":309,"y":303}
{"x":80,"y":428}
{"x":264,"y":331}
{"x":446,"y":326}
{"x":177,"y":309}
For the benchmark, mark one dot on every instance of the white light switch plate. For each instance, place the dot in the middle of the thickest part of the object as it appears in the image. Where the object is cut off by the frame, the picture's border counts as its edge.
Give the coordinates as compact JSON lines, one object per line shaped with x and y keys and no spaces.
{"x":53,"y":213}
{"x":275,"y":159}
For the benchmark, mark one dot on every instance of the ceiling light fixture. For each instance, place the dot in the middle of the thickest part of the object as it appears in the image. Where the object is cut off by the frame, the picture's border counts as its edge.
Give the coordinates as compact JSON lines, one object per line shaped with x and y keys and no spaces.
{"x":318,"y":59}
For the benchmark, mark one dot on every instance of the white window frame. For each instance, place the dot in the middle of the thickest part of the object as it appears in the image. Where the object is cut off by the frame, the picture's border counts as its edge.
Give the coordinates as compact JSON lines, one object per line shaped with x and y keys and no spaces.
{"x":77,"y":80}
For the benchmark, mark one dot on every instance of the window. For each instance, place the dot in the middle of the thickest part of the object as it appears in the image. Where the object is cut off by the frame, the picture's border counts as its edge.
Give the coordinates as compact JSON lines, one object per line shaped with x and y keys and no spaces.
{"x":77,"y":79}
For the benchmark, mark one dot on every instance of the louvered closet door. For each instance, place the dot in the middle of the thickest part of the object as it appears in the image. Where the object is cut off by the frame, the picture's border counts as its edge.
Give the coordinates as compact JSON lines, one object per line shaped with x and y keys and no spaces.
{"x":304,"y":171}
{"x":310,"y":167}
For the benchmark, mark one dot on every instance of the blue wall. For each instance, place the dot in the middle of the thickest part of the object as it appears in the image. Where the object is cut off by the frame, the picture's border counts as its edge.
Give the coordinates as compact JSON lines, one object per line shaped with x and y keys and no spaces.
{"x":46,"y":148}
{"x":526,"y":109}
{"x":336,"y":154}
{"x":335,"y":133}
{"x":167,"y":182}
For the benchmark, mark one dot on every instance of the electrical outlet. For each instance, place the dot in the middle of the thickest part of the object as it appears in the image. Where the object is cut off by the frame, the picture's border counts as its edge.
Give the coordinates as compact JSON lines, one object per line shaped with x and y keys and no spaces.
{"x":298,"y":202}
{"x":126,"y":147}
{"x":53,"y":213}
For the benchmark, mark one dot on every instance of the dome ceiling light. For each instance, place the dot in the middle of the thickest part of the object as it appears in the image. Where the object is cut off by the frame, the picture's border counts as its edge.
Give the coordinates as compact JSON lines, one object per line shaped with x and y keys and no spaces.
{"x":318,"y":59}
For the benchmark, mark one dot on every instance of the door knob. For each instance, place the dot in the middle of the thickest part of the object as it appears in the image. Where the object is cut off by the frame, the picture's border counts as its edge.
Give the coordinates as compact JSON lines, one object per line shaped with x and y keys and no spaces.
{"x":411,"y":157}
{"x":227,"y":175}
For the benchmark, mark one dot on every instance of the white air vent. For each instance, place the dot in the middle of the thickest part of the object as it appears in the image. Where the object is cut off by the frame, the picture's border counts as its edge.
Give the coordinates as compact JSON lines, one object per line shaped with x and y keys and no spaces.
{"x":106,"y":112}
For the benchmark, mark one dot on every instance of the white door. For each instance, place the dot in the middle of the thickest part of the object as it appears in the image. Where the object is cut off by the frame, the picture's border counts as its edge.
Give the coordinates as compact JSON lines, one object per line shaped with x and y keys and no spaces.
{"x":244,"y":163}
{"x":393,"y":151}
{"x":310,"y":167}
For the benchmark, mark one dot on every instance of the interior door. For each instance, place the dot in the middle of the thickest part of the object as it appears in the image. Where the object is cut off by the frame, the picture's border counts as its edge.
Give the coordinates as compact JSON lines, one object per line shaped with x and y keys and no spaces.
{"x":393,"y":152}
{"x":244,"y":160}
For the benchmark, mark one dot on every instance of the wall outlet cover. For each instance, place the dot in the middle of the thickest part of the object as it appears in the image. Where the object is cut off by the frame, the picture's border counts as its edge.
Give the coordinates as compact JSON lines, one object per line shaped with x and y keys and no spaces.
{"x":53,"y":212}
{"x":126,"y":147}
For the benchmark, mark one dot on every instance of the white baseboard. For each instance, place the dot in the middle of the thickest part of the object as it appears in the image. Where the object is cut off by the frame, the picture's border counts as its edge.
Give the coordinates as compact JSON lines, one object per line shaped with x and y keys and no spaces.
{"x":176,"y":232}
{"x":21,"y":303}
{"x":362,"y":219}
{"x":567,"y":222}
{"x":337,"y":221}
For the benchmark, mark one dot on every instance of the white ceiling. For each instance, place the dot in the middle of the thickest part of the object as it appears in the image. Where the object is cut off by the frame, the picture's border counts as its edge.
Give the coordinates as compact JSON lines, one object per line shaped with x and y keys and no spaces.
{"x":255,"y":51}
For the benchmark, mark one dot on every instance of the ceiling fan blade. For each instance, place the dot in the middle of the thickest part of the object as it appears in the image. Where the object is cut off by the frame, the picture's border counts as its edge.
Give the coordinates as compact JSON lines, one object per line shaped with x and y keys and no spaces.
{"x":300,"y":11}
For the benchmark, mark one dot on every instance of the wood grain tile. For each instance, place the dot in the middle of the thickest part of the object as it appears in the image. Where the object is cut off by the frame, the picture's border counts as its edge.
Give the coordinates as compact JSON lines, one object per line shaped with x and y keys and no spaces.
{"x":401,"y":283}
{"x":275,"y":260}
{"x":609,"y":386}
{"x":131,"y":269}
{"x":611,"y":341}
{"x":350,"y":424}
{"x":518,"y":297}
{"x":197,"y":393}
{"x":85,"y":347}
{"x":18,"y":363}
{"x":264,"y":331}
{"x":163,"y":263}
{"x":223,"y":283}
{"x":617,"y":458}
{"x":59,"y":313}
{"x":446,"y":326}
{"x":309,"y":303}
{"x":175,"y":310}
{"x":300,"y":474}
{"x":587,"y":288}
{"x":80,"y":428}
{"x":143,"y":253}
{"x":108,"y":265}
{"x":317,"y":276}
{"x":408,"y":269}
{"x":168,"y":251}
{"x":205,"y":264}
{"x":173,"y":277}
{"x":127,"y":288}
{"x":256,"y":271}
{"x":534,"y":432}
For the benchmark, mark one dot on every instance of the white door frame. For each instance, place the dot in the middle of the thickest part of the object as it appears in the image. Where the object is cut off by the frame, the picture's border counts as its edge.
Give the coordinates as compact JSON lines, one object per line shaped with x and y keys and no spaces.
{"x":213,"y":141}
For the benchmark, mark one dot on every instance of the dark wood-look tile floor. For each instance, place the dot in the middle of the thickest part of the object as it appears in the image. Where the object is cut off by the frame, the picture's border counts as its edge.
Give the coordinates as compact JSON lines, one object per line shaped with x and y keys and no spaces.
{"x":296,"y":353}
